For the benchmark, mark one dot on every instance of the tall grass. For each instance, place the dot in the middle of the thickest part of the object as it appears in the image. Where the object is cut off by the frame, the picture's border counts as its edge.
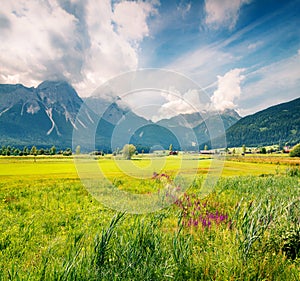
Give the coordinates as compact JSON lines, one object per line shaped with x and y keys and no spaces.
{"x":54,"y":230}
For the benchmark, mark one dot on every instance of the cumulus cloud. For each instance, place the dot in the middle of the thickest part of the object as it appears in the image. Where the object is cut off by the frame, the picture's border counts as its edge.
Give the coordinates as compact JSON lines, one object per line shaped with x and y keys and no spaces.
{"x":35,"y":38}
{"x":223,"y":12}
{"x":124,"y":13}
{"x":176,"y":103}
{"x":228,"y":89}
{"x":84,"y":42}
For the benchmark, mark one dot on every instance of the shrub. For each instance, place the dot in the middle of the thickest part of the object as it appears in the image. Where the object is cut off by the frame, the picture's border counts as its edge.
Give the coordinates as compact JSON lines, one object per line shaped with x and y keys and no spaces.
{"x":296,"y":151}
{"x":128,"y":151}
{"x":291,"y":242}
{"x":293,"y":172}
{"x":67,"y":152}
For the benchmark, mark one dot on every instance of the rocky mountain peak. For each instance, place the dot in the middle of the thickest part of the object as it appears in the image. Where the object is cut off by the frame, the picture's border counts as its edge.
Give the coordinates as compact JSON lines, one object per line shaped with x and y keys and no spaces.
{"x":58,"y":92}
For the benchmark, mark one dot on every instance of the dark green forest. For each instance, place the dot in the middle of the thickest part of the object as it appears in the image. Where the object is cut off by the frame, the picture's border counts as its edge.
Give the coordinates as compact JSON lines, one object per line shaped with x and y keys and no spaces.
{"x":278,"y":124}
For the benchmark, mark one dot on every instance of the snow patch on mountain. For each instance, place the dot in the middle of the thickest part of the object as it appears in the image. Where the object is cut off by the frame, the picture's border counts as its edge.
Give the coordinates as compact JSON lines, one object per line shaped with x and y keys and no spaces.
{"x":88,"y":115}
{"x":6,"y":109}
{"x":49,"y":113}
{"x":33,"y":109}
{"x":81,"y":123}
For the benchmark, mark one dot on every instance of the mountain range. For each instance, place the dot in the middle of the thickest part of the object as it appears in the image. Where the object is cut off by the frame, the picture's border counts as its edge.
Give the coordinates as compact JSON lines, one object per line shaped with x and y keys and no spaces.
{"x":38,"y":116}
{"x":279,"y":124}
{"x":48,"y":114}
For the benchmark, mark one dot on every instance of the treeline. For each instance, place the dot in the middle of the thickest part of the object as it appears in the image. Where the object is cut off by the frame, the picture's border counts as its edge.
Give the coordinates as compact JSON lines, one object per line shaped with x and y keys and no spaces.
{"x":280,"y":123}
{"x":254,"y":135}
{"x":34,"y":151}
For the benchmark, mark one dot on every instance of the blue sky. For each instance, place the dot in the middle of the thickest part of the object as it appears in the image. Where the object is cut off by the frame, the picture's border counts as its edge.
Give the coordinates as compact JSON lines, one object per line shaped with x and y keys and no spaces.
{"x":244,"y":53}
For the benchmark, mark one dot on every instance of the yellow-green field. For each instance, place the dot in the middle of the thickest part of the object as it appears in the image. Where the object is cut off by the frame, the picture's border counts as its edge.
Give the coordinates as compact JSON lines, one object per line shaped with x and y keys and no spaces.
{"x":29,"y":168}
{"x":246,"y":228}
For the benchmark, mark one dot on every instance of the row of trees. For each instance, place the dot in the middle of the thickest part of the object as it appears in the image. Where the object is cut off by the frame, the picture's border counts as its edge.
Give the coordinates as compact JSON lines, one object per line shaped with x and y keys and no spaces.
{"x":16,"y":151}
{"x":128,"y":151}
{"x":262,"y":150}
{"x":295,"y":152}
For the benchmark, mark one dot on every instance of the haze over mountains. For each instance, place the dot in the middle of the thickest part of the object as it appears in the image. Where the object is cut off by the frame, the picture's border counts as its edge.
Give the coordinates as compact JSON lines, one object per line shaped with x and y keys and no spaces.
{"x":46,"y":116}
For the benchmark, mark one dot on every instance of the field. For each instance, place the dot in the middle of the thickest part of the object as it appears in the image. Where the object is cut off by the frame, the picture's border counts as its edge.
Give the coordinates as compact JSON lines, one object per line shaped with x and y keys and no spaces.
{"x":246,"y":228}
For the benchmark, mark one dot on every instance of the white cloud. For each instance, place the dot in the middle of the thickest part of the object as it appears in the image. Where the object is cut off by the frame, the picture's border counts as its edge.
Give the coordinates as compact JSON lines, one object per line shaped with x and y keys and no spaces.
{"x":28,"y":43}
{"x":223,"y":12}
{"x":254,"y":46}
{"x":84,"y":42}
{"x":184,"y":8}
{"x":177,"y":103}
{"x":275,"y":77}
{"x":228,"y":89}
{"x":131,"y":19}
{"x":145,"y":103}
{"x":108,"y":54}
{"x":206,"y":62}
{"x":271,"y":84}
{"x":203,"y":64}
{"x":299,"y":52}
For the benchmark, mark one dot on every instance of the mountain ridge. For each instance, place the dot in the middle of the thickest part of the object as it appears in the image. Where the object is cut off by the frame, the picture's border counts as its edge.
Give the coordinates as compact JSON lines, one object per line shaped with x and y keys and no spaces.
{"x":32,"y":115}
{"x":46,"y":115}
{"x":276,"y":124}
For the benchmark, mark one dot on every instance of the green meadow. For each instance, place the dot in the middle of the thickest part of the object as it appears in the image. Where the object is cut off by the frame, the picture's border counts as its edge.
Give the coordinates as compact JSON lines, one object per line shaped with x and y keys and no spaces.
{"x":245,"y":228}
{"x":30,"y":167}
